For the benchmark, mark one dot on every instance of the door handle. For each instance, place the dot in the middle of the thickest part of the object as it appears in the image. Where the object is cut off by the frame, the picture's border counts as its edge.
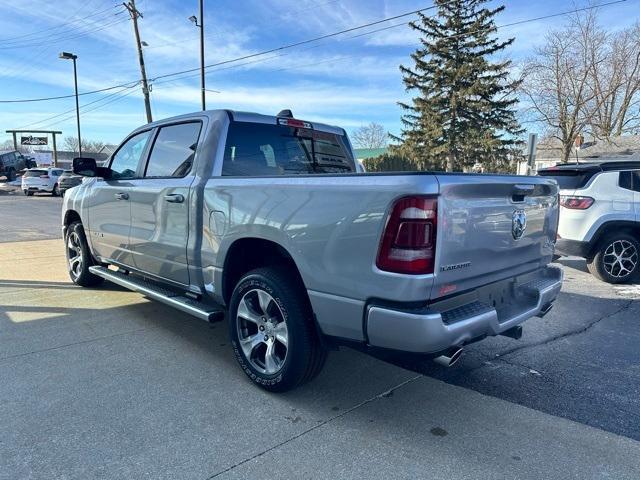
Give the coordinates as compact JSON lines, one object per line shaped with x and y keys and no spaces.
{"x":122,"y":196}
{"x":174,"y":198}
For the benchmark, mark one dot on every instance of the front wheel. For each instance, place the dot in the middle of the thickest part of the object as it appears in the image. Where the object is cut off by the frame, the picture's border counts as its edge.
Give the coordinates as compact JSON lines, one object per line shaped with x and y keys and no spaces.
{"x":11,"y":175}
{"x":272,"y":331}
{"x":55,"y":191}
{"x":617,"y":259}
{"x":79,"y":257}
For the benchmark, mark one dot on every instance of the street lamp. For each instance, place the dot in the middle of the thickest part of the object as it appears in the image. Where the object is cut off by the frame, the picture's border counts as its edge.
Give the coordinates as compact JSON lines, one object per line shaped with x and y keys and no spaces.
{"x":200,"y":25}
{"x":71,"y":56}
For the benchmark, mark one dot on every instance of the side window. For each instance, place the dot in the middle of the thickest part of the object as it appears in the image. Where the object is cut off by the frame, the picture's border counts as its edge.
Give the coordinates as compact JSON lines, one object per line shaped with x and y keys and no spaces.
{"x":625,"y":180}
{"x":125,"y":162}
{"x":173,"y":151}
{"x":635,"y":180}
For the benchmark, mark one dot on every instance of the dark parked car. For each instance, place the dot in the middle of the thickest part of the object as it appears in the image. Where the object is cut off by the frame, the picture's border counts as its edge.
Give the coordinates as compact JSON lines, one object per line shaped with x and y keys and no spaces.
{"x":11,"y":162}
{"x":68,"y":180}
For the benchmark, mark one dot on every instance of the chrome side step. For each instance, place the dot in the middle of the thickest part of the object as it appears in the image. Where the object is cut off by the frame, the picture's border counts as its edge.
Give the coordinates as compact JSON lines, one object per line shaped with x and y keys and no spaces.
{"x":203,"y":311}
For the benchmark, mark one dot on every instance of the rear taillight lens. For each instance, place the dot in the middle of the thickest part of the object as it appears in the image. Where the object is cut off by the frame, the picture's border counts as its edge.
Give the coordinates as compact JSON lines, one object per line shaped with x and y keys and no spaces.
{"x":409,"y":240}
{"x":575,"y":203}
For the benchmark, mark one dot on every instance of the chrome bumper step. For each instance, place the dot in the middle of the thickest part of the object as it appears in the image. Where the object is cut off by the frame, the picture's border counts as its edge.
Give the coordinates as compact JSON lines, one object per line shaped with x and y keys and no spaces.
{"x":201,"y":310}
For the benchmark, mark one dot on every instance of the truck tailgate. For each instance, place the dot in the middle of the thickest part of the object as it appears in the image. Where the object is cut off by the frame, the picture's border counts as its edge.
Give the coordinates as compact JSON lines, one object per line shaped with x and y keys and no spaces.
{"x":481,"y":238}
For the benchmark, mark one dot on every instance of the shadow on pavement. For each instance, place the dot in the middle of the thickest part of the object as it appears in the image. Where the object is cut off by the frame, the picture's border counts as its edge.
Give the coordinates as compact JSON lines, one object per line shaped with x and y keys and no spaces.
{"x":575,"y":263}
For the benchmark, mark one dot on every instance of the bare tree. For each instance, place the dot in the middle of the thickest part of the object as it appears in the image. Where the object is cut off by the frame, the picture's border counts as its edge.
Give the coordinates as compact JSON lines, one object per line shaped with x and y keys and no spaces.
{"x":616,"y":83}
{"x":585,"y":80}
{"x":370,"y":136}
{"x":557,"y":82}
{"x":71,"y":144}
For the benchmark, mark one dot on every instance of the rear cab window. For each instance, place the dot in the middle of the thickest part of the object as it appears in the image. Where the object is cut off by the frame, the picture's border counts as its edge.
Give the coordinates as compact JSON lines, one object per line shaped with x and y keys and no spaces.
{"x":259,"y":149}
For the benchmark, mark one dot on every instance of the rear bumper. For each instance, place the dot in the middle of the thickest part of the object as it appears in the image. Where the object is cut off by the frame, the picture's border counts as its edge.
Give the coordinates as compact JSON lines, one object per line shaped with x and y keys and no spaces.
{"x":572,"y":248}
{"x":430,"y":331}
{"x":37,"y":188}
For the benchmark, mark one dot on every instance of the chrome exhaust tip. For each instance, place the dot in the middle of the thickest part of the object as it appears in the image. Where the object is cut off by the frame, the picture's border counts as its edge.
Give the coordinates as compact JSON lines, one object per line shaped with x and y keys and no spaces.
{"x":450,"y":357}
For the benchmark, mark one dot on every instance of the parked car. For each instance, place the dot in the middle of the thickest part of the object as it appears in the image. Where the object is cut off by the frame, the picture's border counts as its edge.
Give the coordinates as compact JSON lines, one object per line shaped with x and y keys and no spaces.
{"x":264,"y":218}
{"x":600,"y":216}
{"x":41,"y":180}
{"x":11,"y":162}
{"x":68,"y":180}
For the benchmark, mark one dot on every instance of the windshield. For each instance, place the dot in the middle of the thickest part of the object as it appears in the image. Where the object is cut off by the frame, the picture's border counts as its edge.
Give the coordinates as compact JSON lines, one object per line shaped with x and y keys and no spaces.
{"x":256,"y":149}
{"x":569,"y":179}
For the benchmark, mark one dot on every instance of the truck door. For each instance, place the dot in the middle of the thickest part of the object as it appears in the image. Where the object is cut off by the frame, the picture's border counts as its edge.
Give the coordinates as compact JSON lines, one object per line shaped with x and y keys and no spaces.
{"x":160,"y":203}
{"x":109,"y":203}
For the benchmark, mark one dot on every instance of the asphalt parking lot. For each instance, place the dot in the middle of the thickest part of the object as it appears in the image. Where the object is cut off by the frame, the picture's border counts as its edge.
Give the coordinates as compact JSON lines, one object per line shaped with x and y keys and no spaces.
{"x":103,"y":383}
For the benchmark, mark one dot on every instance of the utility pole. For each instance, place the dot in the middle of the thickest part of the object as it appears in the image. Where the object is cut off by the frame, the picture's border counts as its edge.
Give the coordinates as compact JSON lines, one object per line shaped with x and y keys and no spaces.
{"x":203,"y":93}
{"x":134,"y":13}
{"x":200,"y":25}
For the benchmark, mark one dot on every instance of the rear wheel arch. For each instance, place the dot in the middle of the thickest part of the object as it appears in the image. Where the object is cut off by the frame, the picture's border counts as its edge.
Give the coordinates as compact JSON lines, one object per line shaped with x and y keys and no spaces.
{"x":607,"y":229}
{"x":247,"y":254}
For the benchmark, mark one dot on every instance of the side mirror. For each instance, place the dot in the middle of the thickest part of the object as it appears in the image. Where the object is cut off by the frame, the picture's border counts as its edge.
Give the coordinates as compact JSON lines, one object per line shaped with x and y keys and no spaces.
{"x":85,"y":166}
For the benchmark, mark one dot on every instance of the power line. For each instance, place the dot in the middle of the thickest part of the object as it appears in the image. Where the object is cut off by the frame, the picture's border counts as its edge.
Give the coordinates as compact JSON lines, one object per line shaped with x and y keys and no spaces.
{"x":119,"y":97}
{"x":101,"y":99}
{"x":304,"y":42}
{"x":11,"y":39}
{"x":59,"y":37}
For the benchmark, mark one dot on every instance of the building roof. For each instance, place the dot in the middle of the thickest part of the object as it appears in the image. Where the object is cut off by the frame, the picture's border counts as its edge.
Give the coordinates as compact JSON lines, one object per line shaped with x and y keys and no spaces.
{"x":619,"y":148}
{"x":364,"y":153}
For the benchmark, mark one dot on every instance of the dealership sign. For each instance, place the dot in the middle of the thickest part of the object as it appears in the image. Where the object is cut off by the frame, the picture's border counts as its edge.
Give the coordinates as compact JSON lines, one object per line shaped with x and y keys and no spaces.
{"x":30,"y":140}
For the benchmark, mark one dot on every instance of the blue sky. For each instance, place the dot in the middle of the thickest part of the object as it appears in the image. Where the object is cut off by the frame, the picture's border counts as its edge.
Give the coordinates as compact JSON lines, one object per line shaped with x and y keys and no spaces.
{"x":344,"y":81}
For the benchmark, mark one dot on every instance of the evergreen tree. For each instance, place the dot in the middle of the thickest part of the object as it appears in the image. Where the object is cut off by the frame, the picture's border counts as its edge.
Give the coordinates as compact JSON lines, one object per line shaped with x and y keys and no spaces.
{"x":464,"y":108}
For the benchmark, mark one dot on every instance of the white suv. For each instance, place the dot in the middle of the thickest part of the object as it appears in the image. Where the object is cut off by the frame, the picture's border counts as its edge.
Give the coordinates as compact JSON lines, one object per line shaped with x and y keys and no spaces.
{"x":600,"y":216}
{"x":41,"y":180}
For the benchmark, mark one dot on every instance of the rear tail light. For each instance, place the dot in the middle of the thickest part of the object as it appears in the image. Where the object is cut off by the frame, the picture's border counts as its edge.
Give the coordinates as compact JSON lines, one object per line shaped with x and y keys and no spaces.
{"x":576,"y":203}
{"x":409,"y":240}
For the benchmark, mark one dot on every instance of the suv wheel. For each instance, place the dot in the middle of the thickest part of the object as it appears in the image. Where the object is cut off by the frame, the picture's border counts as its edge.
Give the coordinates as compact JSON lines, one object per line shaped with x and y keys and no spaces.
{"x":11,"y":175}
{"x":55,"y":192}
{"x":79,"y":257}
{"x":272,"y":331}
{"x":617,"y":259}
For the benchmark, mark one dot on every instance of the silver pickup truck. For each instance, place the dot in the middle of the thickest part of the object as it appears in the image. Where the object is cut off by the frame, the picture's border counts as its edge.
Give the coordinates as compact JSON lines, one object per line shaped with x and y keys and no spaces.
{"x":264,"y":220}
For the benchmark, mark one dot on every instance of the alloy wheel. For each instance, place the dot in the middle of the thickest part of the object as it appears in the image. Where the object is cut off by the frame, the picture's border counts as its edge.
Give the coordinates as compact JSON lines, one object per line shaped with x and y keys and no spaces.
{"x":74,"y":254}
{"x":262,"y":331}
{"x":620,"y":258}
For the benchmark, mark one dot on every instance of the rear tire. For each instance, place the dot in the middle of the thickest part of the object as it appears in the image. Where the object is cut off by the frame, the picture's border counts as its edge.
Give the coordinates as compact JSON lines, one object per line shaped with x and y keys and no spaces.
{"x":30,"y":194}
{"x":54,"y":192}
{"x":79,"y":257}
{"x":11,"y":175}
{"x":270,"y":316}
{"x":25,"y":192}
{"x":617,"y":259}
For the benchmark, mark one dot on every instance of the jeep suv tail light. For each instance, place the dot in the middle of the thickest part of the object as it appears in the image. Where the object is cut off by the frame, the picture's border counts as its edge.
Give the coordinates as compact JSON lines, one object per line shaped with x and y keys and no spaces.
{"x":576,"y":203}
{"x":408,"y":243}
